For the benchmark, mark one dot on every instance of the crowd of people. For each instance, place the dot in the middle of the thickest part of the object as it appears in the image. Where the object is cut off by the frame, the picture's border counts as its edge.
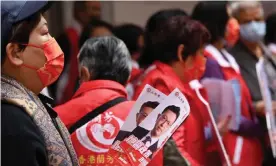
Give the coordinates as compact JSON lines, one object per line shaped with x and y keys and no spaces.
{"x":94,"y":67}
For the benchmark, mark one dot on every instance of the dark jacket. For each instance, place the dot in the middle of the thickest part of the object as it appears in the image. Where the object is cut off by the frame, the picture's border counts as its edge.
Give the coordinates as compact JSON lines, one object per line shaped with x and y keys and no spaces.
{"x":33,"y":134}
{"x":122,"y":135}
{"x":22,"y":141}
{"x":247,"y":63}
{"x":172,"y":156}
{"x":140,"y":132}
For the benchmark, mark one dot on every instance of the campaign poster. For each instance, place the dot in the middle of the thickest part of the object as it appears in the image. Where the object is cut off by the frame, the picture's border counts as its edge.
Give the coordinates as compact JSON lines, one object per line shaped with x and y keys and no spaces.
{"x":270,"y":118}
{"x":148,"y":137}
{"x":148,"y":100}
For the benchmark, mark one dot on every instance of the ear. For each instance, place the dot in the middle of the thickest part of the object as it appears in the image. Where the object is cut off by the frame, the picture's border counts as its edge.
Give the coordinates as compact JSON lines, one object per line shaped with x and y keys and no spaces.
{"x":14,"y":55}
{"x":158,"y":116}
{"x":180,"y":50}
{"x":84,"y":74}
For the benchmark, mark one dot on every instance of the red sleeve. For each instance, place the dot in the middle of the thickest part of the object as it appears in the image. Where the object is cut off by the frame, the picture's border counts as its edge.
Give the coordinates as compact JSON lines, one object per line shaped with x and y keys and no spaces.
{"x":155,"y":82}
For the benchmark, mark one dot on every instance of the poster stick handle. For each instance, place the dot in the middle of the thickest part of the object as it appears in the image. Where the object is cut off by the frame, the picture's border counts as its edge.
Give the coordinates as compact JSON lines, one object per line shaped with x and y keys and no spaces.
{"x":226,"y":157}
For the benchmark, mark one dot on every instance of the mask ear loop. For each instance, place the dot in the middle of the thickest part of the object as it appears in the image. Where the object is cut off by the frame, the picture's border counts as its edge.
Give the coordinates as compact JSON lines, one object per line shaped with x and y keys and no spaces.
{"x":32,"y":45}
{"x":30,"y":67}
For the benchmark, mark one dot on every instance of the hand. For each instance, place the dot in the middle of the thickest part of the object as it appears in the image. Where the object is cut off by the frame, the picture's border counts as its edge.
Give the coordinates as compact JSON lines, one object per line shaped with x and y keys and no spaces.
{"x":223,"y":125}
{"x":260,"y":107}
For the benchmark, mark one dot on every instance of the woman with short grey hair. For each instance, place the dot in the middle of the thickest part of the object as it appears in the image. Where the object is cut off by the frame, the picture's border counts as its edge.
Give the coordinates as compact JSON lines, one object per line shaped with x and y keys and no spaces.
{"x":104,"y":70}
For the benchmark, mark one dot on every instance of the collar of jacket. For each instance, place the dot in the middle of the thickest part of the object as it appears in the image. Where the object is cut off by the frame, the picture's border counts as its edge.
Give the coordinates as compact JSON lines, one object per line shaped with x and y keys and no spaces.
{"x":167,"y":70}
{"x":226,"y":61}
{"x":57,"y":139}
{"x":101,"y":84}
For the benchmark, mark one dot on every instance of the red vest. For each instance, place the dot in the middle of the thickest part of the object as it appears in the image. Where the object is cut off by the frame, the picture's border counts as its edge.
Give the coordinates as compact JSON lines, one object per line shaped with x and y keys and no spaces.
{"x":189,"y":137}
{"x":241,"y":150}
{"x":92,"y":141}
{"x":214,"y":155}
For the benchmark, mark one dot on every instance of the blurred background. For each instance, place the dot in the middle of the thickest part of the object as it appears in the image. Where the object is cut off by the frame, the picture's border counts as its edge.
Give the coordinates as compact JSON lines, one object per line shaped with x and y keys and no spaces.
{"x":73,"y":22}
{"x":117,"y":12}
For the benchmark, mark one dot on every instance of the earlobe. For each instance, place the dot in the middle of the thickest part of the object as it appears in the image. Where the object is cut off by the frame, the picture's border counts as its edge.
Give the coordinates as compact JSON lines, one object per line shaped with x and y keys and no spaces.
{"x":158,"y":116}
{"x":180,"y":50}
{"x":13,"y":55}
{"x":85,"y":74}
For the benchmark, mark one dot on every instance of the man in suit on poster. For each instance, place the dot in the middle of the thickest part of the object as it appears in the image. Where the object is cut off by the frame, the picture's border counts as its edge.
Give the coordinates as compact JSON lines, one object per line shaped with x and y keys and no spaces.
{"x":144,"y":111}
{"x":162,"y":125}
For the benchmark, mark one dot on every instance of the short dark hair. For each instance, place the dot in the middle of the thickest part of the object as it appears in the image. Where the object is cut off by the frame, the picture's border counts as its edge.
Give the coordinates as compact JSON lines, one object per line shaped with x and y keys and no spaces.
{"x":175,"y":31}
{"x":159,"y":17}
{"x":174,"y":109}
{"x":130,"y":34}
{"x":214,"y":16}
{"x":21,"y":31}
{"x":270,"y":36}
{"x":78,"y":6}
{"x":151,"y":104}
{"x":95,"y":23}
{"x":153,"y":24}
{"x":107,"y":58}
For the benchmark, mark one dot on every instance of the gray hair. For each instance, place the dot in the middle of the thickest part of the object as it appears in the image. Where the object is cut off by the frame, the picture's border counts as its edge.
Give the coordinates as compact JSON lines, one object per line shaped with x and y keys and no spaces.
{"x":237,"y":7}
{"x":107,"y":58}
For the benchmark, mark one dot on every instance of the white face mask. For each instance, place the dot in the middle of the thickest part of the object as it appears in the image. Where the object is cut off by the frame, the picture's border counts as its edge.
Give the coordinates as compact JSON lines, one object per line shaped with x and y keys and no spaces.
{"x":253,"y":31}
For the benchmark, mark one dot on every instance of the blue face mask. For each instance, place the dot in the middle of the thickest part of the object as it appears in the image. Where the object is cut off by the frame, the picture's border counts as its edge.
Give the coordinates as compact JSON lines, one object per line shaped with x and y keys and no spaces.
{"x":253,"y":31}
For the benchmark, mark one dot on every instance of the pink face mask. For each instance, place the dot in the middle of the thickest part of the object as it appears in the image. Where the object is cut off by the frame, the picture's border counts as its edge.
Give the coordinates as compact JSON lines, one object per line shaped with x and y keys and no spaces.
{"x":53,"y":67}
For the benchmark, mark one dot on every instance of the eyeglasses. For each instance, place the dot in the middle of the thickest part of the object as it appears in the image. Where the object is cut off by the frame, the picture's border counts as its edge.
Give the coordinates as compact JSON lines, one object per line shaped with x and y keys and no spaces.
{"x":143,"y":114}
{"x":164,"y":119}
